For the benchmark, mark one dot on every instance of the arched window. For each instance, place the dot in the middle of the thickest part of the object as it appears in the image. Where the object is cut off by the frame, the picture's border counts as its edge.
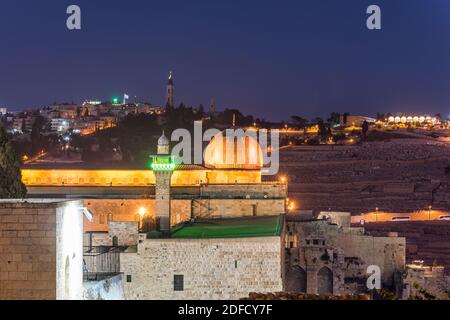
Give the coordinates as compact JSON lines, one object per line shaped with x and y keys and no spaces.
{"x":325,"y":281}
{"x":115,"y":241}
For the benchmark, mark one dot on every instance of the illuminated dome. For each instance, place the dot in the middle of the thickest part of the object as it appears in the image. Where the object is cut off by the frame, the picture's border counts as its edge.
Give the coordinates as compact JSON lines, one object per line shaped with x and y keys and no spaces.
{"x":163,"y":141}
{"x":233,"y":153}
{"x":163,"y":144}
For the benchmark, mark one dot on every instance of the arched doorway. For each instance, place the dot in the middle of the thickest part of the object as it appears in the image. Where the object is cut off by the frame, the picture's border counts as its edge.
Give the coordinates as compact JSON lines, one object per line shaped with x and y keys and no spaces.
{"x":296,"y":280}
{"x":325,"y":281}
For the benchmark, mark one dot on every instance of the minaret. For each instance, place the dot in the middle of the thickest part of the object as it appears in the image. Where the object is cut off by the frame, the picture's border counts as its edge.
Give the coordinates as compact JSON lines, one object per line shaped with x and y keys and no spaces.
{"x":170,"y":92}
{"x":163,"y":165}
{"x":212,"y":107}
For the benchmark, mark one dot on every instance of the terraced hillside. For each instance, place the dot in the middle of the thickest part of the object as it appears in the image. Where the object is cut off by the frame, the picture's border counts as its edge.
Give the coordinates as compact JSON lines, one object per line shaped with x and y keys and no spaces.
{"x":396,"y":175}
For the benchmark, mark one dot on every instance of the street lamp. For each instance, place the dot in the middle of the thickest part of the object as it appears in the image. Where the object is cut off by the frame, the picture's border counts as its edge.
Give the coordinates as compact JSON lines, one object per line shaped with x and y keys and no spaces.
{"x":141,"y":213}
{"x":429,"y":212}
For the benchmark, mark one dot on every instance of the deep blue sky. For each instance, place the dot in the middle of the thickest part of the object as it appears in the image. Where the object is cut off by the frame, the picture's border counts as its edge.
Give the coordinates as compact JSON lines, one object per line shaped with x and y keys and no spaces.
{"x":269,"y":58}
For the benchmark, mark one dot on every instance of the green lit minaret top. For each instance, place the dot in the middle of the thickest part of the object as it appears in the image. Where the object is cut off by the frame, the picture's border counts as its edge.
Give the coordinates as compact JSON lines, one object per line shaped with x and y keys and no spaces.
{"x":163,"y":161}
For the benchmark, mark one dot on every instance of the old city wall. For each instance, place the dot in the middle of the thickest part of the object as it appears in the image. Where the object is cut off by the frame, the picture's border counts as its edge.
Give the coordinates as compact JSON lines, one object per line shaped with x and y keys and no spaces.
{"x":40,"y":250}
{"x":233,"y":208}
{"x":127,"y":210}
{"x":244,"y":264}
{"x":316,"y":246}
{"x":27,"y":252}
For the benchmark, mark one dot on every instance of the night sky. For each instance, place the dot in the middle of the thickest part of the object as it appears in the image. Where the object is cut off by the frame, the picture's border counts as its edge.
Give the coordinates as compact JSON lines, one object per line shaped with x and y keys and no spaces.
{"x":271,"y":59}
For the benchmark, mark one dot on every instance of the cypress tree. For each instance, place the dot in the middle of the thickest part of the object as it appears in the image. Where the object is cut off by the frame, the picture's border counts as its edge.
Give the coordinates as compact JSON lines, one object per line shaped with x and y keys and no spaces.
{"x":11,"y":186}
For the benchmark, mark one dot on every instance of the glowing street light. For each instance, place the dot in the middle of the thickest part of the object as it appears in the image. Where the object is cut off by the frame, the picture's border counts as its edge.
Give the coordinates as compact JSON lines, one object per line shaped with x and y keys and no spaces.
{"x":141,"y":213}
{"x":291,"y":206}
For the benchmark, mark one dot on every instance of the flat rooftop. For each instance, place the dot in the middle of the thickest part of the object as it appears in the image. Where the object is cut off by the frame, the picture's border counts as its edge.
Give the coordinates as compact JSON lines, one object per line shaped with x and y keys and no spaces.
{"x":247,"y":227}
{"x":32,"y":200}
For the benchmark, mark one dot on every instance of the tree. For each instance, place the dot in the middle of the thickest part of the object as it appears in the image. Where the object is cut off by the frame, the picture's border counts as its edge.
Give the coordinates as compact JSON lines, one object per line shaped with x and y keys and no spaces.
{"x":324,"y":130}
{"x":365,"y":128}
{"x":335,"y":118}
{"x":299,"y":122}
{"x":11,"y":185}
{"x":201,"y":110}
{"x":36,"y":138}
{"x":380,"y":116}
{"x":344,"y":117}
{"x":316,"y":121}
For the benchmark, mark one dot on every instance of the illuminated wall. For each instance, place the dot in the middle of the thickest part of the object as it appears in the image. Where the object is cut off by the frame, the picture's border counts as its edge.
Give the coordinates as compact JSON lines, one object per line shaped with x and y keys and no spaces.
{"x":41,"y":253}
{"x":69,"y":251}
{"x":125,"y":210}
{"x":133,"y":178}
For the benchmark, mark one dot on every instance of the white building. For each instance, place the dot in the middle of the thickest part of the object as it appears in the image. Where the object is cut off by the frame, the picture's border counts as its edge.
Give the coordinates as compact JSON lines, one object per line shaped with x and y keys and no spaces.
{"x":60,"y":125}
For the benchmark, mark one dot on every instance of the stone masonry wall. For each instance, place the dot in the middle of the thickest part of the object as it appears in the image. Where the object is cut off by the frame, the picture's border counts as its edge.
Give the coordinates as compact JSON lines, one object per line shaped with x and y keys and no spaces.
{"x":345,"y":252}
{"x":270,"y":190}
{"x":27,"y":252}
{"x":224,"y":208}
{"x":212,"y":268}
{"x":127,"y":234}
{"x":127,"y":210}
{"x":35,"y":238}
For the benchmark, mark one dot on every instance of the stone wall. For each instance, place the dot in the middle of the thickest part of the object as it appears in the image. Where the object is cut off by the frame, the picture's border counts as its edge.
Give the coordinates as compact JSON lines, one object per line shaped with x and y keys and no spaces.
{"x":425,"y":240}
{"x":123,"y":210}
{"x":37,"y":238}
{"x":212,"y":268}
{"x":419,"y":281}
{"x":127,"y":210}
{"x":127,"y":234}
{"x":259,"y":191}
{"x":321,"y":252}
{"x":224,"y":208}
{"x":69,"y":251}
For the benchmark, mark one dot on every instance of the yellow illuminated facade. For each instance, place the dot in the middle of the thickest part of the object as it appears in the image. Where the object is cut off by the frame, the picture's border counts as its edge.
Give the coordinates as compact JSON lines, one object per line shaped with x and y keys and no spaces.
{"x":134,"y":178}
